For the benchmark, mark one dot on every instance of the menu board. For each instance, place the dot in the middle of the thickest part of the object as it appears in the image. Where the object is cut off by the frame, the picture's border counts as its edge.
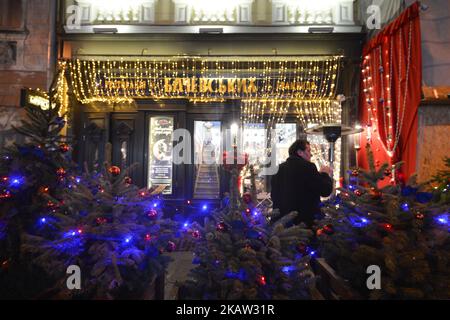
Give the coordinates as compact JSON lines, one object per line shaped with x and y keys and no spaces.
{"x":161,"y":153}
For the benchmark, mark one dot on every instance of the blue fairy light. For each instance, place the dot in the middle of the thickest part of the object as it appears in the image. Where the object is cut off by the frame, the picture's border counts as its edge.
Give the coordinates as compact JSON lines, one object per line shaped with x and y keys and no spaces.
{"x":288,"y":269}
{"x":405,"y":207}
{"x":442,"y":219}
{"x":78,"y":179}
{"x":128,"y":239}
{"x":43,"y":220}
{"x":359,"y":222}
{"x":205,"y":207}
{"x":15,"y":181}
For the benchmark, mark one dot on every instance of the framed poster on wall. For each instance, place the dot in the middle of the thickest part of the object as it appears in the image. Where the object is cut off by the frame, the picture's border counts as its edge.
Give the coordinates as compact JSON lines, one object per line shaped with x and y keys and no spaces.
{"x":161,"y":153}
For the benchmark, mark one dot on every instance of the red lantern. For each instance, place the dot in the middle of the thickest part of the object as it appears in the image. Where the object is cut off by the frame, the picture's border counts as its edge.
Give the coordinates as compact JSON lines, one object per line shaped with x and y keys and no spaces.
{"x":115,"y":171}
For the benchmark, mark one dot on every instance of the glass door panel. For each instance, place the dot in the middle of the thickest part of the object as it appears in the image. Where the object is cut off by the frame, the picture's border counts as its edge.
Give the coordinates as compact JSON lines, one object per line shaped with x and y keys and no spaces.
{"x":207,"y":153}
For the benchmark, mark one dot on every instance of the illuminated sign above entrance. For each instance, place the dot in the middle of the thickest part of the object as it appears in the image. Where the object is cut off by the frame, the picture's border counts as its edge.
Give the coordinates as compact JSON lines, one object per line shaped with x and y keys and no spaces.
{"x":205,"y":79}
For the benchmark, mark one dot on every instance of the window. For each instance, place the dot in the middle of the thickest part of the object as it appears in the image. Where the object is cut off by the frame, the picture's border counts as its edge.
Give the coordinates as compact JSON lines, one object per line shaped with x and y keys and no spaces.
{"x":11,"y":14}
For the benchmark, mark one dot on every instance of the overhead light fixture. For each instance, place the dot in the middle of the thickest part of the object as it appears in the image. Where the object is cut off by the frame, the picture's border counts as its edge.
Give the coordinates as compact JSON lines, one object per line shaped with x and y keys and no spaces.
{"x":321,"y":29}
{"x":211,"y":30}
{"x":106,"y":30}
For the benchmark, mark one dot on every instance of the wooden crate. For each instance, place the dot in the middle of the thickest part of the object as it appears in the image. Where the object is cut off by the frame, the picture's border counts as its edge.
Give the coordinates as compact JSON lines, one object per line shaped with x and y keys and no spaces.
{"x":330,"y":285}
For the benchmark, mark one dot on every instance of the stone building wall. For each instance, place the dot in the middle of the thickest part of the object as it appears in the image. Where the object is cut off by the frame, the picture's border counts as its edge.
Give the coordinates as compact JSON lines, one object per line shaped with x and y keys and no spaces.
{"x":433,"y":142}
{"x":24,"y":60}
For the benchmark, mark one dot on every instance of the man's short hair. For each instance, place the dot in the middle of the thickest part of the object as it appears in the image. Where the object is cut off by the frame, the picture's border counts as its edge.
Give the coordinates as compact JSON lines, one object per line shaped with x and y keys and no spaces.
{"x":298,"y":145}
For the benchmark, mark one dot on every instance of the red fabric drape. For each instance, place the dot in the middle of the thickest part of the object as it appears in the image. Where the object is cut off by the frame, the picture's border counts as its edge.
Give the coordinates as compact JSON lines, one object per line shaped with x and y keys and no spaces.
{"x":392,"y":61}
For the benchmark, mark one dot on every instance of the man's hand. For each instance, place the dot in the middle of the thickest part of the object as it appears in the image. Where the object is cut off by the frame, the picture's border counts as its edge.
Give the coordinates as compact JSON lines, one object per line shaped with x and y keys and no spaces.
{"x":327,"y":170}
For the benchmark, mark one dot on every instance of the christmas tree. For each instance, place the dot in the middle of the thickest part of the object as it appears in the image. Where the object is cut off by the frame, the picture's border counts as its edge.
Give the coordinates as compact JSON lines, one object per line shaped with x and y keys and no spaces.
{"x":111,"y":230}
{"x":240,"y":255}
{"x":397,"y":228}
{"x":52,"y":216}
{"x":441,"y":184}
{"x":30,"y":173}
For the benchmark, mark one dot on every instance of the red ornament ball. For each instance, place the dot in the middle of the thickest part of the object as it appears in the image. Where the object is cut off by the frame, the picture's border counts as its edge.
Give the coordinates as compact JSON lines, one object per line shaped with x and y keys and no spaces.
{"x":115,"y":171}
{"x":64,"y":148}
{"x":171,"y":246}
{"x":61,"y":172}
{"x":420,"y":216}
{"x":387,"y":226}
{"x":128,"y":180}
{"x":328,"y":229}
{"x":196,"y":234}
{"x":262,"y":280}
{"x":152,"y":214}
{"x":43,"y":190}
{"x":101,"y":221}
{"x":222,"y":227}
{"x":358,"y":192}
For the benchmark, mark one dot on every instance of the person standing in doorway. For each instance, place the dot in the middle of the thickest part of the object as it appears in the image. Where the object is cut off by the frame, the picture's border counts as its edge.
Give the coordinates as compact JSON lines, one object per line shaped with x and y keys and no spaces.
{"x":298,"y":185}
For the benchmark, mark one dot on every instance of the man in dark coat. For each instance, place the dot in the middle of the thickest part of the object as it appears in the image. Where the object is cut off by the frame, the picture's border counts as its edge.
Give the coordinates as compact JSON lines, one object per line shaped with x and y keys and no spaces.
{"x":298,"y":185}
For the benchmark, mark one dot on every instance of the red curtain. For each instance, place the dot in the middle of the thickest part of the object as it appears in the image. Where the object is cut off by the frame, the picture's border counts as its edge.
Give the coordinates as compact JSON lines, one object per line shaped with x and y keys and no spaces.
{"x":391,"y":92}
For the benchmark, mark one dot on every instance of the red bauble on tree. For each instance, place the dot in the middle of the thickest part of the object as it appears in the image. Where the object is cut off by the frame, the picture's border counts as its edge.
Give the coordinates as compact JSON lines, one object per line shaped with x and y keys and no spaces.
{"x":355,"y":173}
{"x":152,"y":214}
{"x":128,"y":180}
{"x":358,"y":192}
{"x":171,"y":246}
{"x":262,"y":280}
{"x":61,"y":172}
{"x":328,"y":229}
{"x":64,"y":148}
{"x":115,"y":171}
{"x":222,"y":227}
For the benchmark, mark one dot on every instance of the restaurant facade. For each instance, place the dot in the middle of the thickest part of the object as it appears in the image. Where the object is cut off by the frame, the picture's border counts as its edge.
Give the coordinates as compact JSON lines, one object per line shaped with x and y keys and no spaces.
{"x":257,"y":73}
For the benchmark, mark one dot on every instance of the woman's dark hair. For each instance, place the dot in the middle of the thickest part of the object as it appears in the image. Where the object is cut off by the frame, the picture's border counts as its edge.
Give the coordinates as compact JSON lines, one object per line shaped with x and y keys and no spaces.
{"x":298,"y":145}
